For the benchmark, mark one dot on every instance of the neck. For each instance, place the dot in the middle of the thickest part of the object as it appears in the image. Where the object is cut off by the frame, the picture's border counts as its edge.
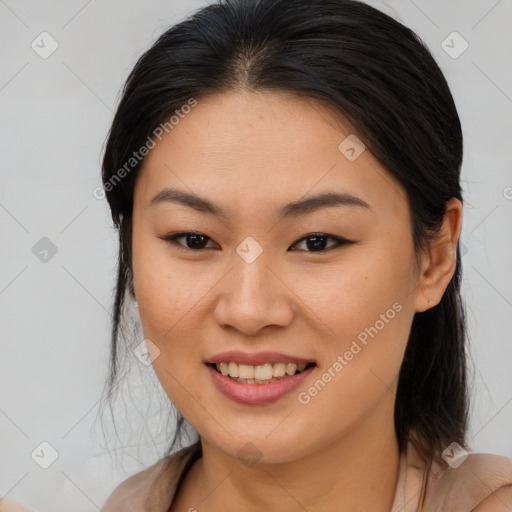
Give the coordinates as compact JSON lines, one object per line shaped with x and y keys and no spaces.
{"x":357,"y":472}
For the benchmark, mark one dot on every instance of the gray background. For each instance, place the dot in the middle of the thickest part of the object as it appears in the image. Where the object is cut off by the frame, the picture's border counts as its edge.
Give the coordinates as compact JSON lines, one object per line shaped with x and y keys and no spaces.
{"x":55,"y":113}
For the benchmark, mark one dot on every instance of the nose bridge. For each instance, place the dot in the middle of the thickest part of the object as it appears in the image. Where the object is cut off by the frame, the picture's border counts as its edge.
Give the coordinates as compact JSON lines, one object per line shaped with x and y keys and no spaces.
{"x":253,"y":277}
{"x":252,"y":297}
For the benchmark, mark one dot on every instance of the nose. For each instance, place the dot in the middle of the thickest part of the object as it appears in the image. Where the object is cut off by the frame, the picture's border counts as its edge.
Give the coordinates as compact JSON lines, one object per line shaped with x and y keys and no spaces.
{"x":253,"y":296}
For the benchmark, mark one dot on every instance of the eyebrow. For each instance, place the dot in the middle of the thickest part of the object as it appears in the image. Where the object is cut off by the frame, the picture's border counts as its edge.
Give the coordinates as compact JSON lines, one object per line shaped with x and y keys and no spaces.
{"x":293,"y":209}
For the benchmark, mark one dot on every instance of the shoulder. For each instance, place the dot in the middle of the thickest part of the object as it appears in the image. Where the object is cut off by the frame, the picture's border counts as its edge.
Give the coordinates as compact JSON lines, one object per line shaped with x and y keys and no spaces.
{"x":133,"y":487}
{"x":482,"y":482}
{"x":152,"y":487}
{"x":498,"y":501}
{"x":8,"y":505}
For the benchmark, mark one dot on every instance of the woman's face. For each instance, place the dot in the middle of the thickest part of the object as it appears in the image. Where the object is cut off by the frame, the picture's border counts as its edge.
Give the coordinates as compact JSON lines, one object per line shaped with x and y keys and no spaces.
{"x":256,"y":281}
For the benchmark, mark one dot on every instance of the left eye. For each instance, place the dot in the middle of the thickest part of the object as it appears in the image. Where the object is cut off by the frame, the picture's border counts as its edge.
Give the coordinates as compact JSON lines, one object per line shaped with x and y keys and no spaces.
{"x":318,"y":241}
{"x":197,"y":241}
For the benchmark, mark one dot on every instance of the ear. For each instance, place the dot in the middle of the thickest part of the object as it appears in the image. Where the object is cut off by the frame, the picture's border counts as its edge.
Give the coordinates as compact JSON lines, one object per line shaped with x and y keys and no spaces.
{"x":438,"y":263}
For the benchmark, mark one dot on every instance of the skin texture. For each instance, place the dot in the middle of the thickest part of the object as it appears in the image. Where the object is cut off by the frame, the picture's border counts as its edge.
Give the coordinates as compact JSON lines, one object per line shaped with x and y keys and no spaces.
{"x":251,"y":153}
{"x":498,"y":501}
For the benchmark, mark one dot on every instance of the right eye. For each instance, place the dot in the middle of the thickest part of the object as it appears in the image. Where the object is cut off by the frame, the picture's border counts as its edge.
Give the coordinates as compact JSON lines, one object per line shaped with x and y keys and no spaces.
{"x":194,"y":241}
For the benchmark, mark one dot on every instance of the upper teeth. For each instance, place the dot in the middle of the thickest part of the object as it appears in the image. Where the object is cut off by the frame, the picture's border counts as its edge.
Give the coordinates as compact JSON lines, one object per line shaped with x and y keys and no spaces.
{"x":259,"y":372}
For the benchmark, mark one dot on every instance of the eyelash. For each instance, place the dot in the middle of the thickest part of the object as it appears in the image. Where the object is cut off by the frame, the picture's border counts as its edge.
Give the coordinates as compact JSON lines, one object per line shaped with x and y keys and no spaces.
{"x":173,"y":240}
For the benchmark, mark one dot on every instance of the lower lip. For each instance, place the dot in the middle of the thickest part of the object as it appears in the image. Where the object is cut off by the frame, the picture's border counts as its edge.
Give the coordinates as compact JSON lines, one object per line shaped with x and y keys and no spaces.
{"x":257,"y":393}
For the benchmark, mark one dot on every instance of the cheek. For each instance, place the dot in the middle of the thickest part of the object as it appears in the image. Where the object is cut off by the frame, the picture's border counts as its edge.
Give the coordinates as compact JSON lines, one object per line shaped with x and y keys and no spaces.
{"x":355,"y":291}
{"x":365,"y":309}
{"x":362,"y":350}
{"x":165,"y":290}
{"x":171,"y":295}
{"x":167,"y":297}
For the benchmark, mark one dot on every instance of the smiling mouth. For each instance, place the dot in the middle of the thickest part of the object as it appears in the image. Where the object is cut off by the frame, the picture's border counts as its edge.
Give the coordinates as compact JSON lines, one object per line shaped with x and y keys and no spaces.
{"x":260,"y":374}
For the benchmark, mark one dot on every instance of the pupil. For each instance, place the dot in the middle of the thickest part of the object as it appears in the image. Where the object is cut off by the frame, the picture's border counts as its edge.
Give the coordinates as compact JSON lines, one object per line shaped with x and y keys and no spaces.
{"x":316,"y":244}
{"x":195,"y":238}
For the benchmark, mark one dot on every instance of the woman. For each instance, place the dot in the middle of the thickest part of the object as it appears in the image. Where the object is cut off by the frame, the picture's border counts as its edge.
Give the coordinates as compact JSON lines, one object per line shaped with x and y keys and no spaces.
{"x":284,"y":177}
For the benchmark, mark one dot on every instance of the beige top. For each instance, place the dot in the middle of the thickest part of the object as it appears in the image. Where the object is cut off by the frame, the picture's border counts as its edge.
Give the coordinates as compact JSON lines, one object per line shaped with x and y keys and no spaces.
{"x":450,"y":489}
{"x":9,"y":505}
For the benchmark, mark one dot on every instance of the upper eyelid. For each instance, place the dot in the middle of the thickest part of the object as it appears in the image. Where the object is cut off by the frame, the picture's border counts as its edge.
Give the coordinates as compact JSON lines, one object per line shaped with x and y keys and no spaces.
{"x":173,"y":238}
{"x":339,"y":240}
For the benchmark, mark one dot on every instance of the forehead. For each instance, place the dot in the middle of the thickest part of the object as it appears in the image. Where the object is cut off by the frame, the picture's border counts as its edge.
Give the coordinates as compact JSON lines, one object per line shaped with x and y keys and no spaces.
{"x":270,"y":145}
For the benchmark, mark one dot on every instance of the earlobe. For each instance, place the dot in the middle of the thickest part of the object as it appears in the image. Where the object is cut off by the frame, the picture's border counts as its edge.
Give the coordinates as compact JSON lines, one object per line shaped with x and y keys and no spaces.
{"x":439,"y":262}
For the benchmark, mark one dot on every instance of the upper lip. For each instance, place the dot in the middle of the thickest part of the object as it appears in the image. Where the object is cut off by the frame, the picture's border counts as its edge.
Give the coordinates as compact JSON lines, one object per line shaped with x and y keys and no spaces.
{"x":256,"y":359}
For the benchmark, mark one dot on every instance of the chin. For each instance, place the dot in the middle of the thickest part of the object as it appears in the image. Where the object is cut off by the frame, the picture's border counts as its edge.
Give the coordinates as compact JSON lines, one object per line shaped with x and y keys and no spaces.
{"x":261,"y":445}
